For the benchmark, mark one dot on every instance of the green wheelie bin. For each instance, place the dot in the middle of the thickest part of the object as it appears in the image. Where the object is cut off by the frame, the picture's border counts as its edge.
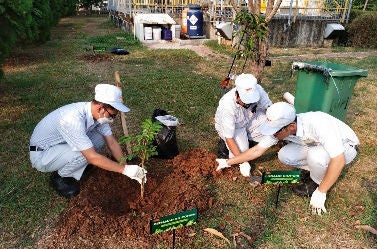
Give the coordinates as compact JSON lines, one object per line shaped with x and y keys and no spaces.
{"x":325,"y":86}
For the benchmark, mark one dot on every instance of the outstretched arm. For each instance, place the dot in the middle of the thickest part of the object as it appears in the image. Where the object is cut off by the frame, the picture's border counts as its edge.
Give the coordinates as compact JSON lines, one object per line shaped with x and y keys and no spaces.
{"x":317,"y":201}
{"x":101,"y":161}
{"x":333,"y":172}
{"x":232,"y":145}
{"x":114,"y":147}
{"x":248,"y":155}
{"x":135,"y":172}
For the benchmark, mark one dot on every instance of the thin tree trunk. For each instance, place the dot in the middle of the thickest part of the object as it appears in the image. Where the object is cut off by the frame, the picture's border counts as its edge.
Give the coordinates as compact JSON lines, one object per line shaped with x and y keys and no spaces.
{"x":365,"y":5}
{"x":142,"y":180}
{"x":142,"y":189}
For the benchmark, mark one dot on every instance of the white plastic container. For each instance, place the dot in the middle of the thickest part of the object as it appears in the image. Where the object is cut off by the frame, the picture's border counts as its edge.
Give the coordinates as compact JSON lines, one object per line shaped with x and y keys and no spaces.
{"x":176,"y":31}
{"x":148,"y":33}
{"x":157,"y":33}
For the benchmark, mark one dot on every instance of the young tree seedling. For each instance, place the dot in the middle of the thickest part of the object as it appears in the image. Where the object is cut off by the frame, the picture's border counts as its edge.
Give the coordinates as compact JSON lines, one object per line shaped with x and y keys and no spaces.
{"x":142,"y":145}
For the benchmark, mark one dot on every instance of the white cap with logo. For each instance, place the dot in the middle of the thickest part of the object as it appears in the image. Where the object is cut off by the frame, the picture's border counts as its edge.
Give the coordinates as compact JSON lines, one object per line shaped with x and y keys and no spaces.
{"x":112,"y":95}
{"x":246,"y":85}
{"x":278,"y":115}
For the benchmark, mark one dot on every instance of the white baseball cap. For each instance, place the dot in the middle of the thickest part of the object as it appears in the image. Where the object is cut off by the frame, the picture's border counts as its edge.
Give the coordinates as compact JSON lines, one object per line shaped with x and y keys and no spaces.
{"x":246,"y":85}
{"x":278,"y":115}
{"x":112,"y":95}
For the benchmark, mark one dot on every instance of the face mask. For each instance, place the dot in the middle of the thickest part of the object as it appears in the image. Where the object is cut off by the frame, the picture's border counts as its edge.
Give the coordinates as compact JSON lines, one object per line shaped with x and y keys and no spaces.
{"x":105,"y":120}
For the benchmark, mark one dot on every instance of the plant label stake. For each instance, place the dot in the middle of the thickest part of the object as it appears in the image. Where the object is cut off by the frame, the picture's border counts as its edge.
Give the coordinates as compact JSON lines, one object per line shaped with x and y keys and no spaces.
{"x":281,"y":177}
{"x":173,"y":221}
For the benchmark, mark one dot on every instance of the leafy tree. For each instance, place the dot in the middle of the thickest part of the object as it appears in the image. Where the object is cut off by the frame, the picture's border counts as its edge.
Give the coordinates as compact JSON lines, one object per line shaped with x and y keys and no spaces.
{"x":42,"y":21}
{"x":88,"y":3}
{"x":15,"y":19}
{"x":254,"y":33}
{"x":370,"y":5}
{"x":25,"y":21}
{"x":362,"y":29}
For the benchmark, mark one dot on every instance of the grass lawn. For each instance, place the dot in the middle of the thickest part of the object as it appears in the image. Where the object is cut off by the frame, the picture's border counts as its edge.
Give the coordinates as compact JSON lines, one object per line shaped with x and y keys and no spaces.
{"x":39,"y":79}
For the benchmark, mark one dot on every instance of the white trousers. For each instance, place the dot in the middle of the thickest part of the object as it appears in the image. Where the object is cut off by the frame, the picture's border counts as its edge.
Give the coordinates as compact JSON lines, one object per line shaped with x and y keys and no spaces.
{"x":61,"y":158}
{"x":250,"y":132}
{"x":314,"y":159}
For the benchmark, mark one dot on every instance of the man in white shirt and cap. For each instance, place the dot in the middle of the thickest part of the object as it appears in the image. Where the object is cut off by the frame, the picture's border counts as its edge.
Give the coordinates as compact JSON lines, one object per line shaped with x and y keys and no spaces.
{"x":70,"y":138}
{"x":317,"y":142}
{"x":239,"y":114}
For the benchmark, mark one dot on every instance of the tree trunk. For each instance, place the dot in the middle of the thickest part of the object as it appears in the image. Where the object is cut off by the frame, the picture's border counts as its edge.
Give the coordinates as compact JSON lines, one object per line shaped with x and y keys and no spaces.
{"x":257,"y":63}
{"x":365,"y":5}
{"x":142,"y":180}
{"x":142,"y":189}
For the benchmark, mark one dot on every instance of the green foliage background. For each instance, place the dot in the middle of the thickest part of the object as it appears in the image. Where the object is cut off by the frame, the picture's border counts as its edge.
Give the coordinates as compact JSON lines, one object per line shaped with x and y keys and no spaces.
{"x":29,"y":21}
{"x":363,"y":30}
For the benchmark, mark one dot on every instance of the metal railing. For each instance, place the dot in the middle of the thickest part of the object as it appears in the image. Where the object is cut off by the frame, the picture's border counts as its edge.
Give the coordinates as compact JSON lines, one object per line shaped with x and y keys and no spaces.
{"x":222,"y":10}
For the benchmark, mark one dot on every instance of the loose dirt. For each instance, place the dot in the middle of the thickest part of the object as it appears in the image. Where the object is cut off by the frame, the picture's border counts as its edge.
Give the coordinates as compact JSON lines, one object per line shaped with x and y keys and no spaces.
{"x":108,"y":212}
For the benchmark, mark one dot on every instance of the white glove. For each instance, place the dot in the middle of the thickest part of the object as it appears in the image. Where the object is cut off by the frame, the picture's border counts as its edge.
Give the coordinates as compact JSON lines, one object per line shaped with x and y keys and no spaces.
{"x":245,"y":169}
{"x":317,"y":202}
{"x":222,"y":164}
{"x":135,"y":172}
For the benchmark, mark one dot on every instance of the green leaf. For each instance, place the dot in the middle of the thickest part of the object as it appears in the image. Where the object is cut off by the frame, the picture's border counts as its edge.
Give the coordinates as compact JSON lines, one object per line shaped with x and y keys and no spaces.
{"x":143,"y":147}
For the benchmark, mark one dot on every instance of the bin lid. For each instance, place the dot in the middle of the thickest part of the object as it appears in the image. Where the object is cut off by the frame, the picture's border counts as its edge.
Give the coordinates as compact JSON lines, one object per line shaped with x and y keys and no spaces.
{"x":334,"y":69}
{"x":333,"y":30}
{"x":194,"y":6}
{"x":168,"y":120}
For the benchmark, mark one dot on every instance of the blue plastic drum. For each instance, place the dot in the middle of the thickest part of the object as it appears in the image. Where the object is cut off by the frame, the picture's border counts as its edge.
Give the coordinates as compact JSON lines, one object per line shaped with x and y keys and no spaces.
{"x":195,"y":21}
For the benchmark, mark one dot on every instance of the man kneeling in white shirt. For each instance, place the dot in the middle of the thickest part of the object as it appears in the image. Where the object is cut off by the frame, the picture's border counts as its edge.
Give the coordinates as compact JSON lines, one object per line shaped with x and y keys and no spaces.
{"x":317,"y":142}
{"x":69,"y":138}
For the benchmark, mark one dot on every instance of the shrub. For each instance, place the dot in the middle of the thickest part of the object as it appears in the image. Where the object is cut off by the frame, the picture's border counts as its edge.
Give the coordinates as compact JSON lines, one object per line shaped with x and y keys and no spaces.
{"x":363,"y":30}
{"x":29,"y":21}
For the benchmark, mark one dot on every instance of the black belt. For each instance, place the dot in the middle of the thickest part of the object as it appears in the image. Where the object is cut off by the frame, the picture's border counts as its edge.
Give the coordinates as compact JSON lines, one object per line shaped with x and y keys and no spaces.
{"x":35,"y":148}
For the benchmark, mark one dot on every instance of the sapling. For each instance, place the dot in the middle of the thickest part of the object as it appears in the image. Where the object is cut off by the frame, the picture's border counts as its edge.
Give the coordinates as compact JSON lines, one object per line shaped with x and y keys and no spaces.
{"x":142,"y":145}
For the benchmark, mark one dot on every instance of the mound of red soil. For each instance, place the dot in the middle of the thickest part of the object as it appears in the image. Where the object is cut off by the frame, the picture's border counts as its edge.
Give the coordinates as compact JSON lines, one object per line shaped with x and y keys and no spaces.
{"x":108,"y":211}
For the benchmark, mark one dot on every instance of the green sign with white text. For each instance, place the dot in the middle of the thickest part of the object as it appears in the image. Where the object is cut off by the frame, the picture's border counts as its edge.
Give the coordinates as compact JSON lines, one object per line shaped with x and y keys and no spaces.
{"x":281,"y":177}
{"x":173,"y":221}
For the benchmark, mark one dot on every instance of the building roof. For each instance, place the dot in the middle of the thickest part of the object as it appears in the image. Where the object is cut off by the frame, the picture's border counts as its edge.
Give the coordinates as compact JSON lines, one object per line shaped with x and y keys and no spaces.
{"x":154,"y":19}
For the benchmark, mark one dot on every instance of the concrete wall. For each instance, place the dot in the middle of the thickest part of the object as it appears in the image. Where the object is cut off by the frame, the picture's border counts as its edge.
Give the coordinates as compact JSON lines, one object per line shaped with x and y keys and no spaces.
{"x":301,"y":33}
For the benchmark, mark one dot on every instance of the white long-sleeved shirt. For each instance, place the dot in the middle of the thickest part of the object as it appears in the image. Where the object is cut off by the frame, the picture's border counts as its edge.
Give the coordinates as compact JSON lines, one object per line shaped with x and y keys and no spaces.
{"x":68,"y":124}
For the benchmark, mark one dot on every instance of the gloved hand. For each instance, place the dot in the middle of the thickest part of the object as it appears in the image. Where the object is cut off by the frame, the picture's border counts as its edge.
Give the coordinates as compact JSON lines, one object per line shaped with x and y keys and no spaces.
{"x":245,"y":169}
{"x":135,"y":172}
{"x":317,"y":202}
{"x":222,"y":164}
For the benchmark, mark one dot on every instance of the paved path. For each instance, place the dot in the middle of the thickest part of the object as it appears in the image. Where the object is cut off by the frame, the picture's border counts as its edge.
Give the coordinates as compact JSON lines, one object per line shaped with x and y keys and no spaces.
{"x":206,"y":52}
{"x":196,"y":45}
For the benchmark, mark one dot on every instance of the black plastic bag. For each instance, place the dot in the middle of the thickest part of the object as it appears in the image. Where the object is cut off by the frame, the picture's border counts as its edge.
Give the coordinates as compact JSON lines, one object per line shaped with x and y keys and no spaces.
{"x":222,"y":150}
{"x":166,"y":139}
